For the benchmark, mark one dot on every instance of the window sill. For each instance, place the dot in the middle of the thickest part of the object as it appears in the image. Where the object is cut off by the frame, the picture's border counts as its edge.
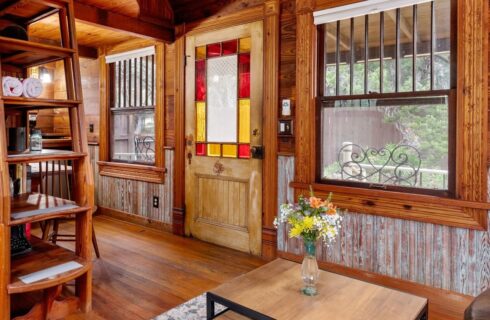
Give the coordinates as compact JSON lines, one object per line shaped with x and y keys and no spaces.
{"x":424,"y":208}
{"x":132,"y":171}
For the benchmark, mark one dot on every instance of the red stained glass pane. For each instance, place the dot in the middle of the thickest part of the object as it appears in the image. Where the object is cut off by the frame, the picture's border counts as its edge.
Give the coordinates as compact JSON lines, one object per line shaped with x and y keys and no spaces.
{"x":200,"y":149}
{"x":230,"y":47}
{"x":213,"y":50}
{"x":244,"y":151}
{"x":244,"y":75}
{"x":201,"y":80}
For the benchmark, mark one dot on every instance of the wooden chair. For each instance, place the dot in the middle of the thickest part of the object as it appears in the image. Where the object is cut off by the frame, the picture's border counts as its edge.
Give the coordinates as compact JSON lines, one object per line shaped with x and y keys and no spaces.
{"x":55,"y":178}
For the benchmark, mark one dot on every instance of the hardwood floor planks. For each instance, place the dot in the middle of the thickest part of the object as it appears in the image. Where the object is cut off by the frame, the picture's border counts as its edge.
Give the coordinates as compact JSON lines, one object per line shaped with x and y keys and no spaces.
{"x":143,"y":272}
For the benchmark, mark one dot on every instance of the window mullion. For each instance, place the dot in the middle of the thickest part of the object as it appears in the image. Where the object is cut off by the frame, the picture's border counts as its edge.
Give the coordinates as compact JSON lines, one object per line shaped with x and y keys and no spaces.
{"x":397,"y":59}
{"x":414,"y":49}
{"x":337,"y":59}
{"x":366,"y":52}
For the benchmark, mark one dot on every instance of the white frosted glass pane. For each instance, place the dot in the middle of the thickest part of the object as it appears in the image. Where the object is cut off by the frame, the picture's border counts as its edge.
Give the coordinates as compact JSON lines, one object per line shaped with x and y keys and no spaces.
{"x":222,"y":99}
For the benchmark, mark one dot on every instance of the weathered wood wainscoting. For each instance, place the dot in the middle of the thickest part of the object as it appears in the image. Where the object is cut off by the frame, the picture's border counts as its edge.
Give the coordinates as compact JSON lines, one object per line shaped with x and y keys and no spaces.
{"x":133,"y":200}
{"x":443,"y":257}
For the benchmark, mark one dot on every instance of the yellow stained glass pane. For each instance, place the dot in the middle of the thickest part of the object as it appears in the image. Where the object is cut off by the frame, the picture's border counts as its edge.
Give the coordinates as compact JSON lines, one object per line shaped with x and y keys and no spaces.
{"x":244,"y":118}
{"x":200,"y":121}
{"x":201,"y":53}
{"x":245,"y":44}
{"x":229,"y":150}
{"x":214,"y":150}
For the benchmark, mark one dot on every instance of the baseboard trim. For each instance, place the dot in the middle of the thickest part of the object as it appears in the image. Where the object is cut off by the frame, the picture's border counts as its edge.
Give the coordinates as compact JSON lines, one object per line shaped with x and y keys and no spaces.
{"x":443,"y":304}
{"x":135,"y":219}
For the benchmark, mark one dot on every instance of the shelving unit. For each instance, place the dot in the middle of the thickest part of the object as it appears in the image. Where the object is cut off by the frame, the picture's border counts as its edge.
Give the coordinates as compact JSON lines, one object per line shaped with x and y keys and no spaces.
{"x":16,"y":56}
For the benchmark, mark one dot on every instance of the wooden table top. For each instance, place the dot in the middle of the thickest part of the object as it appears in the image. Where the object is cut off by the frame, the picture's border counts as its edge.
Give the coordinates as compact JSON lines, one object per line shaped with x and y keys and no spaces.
{"x":274,"y":290}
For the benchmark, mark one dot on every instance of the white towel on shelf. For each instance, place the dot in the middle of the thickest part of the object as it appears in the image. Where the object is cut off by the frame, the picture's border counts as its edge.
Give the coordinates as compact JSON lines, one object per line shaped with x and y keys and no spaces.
{"x":12,"y":87}
{"x":33,"y":87}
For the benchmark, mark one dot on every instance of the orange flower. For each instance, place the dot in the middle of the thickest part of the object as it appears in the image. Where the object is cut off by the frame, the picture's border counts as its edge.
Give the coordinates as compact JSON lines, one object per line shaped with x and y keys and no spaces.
{"x":331,"y":209}
{"x":316,"y":202}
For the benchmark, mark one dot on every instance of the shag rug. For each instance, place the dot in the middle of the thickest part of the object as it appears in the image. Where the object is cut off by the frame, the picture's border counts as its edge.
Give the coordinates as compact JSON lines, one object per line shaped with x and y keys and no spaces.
{"x":194,"y":309}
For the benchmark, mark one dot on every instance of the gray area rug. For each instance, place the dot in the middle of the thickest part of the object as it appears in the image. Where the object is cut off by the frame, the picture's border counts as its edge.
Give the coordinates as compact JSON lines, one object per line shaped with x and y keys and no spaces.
{"x":194,"y":309}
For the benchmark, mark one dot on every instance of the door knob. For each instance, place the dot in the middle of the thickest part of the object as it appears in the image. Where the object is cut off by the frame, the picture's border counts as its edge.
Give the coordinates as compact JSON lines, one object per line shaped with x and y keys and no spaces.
{"x":257,"y":152}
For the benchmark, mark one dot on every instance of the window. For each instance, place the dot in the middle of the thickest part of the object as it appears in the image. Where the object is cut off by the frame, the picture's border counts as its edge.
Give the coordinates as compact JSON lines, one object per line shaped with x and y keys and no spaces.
{"x":223,"y":67}
{"x":132,"y":117}
{"x":133,"y":110}
{"x":386,"y":111}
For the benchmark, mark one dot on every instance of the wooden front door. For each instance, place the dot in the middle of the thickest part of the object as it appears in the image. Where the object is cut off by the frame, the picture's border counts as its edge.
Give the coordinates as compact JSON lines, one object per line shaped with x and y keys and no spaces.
{"x":223,"y":137}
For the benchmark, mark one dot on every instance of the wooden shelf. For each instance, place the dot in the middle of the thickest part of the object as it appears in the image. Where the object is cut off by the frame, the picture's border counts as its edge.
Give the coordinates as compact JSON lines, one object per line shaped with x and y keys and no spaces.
{"x":44,"y":155}
{"x":27,"y":53}
{"x":43,"y":255}
{"x":34,"y":207}
{"x":21,"y":102}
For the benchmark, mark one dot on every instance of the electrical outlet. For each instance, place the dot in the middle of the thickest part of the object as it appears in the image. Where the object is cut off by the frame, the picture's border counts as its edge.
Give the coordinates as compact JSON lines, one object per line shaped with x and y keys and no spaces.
{"x":156,"y":201}
{"x":91,"y":128}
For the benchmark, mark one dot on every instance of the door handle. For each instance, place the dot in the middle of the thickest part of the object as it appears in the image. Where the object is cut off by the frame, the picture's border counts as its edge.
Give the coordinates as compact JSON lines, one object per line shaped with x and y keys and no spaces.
{"x":257,"y":152}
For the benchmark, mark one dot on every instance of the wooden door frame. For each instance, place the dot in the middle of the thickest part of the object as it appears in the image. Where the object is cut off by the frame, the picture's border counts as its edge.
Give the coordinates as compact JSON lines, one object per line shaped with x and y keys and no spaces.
{"x":269,"y":14}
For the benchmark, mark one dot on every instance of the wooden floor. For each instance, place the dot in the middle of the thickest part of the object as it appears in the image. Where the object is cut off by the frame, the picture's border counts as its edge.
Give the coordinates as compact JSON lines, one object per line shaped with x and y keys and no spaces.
{"x":143,"y":273}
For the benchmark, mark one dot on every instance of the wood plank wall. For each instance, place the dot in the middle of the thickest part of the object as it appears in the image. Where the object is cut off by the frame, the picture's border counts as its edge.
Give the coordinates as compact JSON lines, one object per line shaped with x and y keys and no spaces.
{"x":443,"y":257}
{"x":135,"y":197}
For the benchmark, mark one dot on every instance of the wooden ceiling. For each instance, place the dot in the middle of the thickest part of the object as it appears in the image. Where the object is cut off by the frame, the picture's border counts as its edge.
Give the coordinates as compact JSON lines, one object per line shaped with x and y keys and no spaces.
{"x":87,"y":35}
{"x":108,"y":22}
{"x":129,"y":8}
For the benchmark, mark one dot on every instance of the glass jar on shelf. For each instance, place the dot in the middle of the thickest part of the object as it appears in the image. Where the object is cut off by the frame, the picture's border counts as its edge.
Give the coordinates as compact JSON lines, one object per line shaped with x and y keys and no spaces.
{"x":36,"y":143}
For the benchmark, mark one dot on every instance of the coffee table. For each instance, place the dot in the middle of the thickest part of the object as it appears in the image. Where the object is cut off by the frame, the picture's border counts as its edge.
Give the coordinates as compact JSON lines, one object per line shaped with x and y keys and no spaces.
{"x":273,"y":292}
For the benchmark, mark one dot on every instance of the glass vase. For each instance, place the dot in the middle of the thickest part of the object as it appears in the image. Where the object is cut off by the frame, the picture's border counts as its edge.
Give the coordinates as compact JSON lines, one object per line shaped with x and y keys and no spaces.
{"x":309,"y":269}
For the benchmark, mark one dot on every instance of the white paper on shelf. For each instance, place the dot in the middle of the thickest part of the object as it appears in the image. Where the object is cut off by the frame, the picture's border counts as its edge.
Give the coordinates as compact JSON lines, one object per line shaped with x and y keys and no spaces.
{"x":50,"y":272}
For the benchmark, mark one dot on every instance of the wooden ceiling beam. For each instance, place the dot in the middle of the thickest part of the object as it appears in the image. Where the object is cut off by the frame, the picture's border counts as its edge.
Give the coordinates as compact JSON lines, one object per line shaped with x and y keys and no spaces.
{"x":115,"y":21}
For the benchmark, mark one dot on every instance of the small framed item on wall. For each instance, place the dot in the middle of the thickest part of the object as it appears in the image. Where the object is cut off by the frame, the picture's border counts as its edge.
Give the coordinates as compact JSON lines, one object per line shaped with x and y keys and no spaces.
{"x":285,"y":128}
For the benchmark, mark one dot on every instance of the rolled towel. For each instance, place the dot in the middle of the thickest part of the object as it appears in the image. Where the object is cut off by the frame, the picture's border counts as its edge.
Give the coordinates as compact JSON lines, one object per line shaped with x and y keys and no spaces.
{"x":12,"y":87}
{"x":33,"y":87}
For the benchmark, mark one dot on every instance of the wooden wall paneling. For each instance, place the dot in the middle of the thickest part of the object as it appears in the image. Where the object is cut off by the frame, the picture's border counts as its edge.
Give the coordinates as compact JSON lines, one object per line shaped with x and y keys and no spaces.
{"x":287,"y":69}
{"x":186,"y":11}
{"x":178,"y":210}
{"x":271,"y":103}
{"x":169,"y":95}
{"x":160,"y":105}
{"x":305,"y":95}
{"x":104,"y":123}
{"x":472,"y":101}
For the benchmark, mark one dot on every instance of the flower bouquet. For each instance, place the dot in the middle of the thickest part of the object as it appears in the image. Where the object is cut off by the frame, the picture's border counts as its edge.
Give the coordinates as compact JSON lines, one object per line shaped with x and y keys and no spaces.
{"x":311,"y":219}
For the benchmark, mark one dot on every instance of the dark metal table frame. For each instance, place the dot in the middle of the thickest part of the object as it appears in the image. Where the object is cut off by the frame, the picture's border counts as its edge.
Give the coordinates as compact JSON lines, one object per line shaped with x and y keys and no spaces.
{"x":211,"y":298}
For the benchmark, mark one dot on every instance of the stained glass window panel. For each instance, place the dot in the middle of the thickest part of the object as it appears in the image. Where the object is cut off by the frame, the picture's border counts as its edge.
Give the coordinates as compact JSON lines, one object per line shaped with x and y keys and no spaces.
{"x":230,"y":47}
{"x":201,"y":80}
{"x":244,"y":151}
{"x":201,"y":53}
{"x":201,"y":121}
{"x":200,"y":149}
{"x":214,"y":50}
{"x":245,"y":44}
{"x":214,"y":150}
{"x":244,"y":72}
{"x":229,"y":150}
{"x":222,"y":99}
{"x":244,"y":125}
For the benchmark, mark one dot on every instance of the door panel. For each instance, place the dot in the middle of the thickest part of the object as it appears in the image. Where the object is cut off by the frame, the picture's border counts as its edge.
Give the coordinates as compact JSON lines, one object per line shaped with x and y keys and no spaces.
{"x":223,"y":121}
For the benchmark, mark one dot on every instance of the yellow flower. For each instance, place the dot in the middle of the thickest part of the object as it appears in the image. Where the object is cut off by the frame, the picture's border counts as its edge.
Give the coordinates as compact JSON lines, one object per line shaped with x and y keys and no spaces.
{"x":308,"y":223}
{"x":296,"y":231}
